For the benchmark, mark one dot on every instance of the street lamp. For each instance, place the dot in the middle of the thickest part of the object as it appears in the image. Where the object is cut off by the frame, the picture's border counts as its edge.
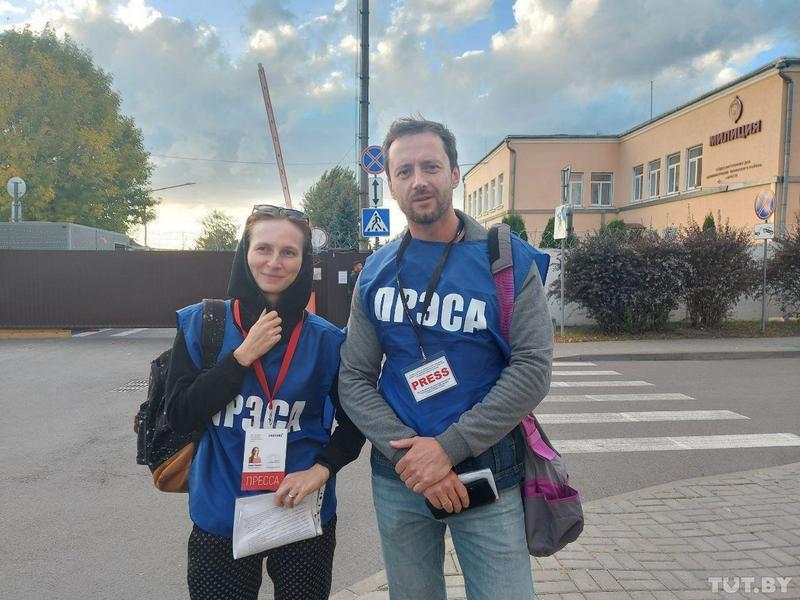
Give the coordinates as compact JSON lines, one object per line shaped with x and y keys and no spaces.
{"x":144,"y":211}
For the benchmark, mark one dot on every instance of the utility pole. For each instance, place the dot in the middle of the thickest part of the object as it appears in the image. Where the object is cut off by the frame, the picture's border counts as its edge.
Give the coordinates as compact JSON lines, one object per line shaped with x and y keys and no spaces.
{"x":273,"y":128}
{"x":363,"y":114}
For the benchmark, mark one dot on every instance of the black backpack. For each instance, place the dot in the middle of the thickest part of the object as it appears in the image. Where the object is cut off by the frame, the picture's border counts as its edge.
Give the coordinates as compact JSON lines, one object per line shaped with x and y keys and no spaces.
{"x":167,"y":453}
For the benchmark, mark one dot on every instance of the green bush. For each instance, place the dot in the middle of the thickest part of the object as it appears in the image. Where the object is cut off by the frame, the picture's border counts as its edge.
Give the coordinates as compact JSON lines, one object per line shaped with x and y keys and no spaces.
{"x":517,"y":225}
{"x":708,"y":222}
{"x":625,"y":284}
{"x":616,"y":227}
{"x":720,"y":270}
{"x":547,"y":240}
{"x":783,"y":272}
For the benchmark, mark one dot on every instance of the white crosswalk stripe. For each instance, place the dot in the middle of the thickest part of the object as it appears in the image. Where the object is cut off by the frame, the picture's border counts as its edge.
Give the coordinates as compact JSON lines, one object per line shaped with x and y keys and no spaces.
{"x":615,"y":397}
{"x":642,"y":444}
{"x":554,"y":384}
{"x":88,"y":333}
{"x":689,"y":442}
{"x":638,"y":417}
{"x":128,"y":332}
{"x":573,"y":373}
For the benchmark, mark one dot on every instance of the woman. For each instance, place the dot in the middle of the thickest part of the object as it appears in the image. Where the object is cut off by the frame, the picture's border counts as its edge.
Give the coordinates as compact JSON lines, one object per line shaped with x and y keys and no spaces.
{"x":266,"y":329}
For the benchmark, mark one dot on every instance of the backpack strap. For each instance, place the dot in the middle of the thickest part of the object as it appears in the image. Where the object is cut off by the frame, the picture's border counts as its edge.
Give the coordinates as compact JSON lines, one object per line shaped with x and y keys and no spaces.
{"x":213,"y":330}
{"x":501,"y":261}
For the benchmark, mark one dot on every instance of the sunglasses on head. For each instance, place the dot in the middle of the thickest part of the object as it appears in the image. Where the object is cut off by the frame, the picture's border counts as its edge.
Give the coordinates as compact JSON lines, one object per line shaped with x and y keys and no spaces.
{"x":279,"y":211}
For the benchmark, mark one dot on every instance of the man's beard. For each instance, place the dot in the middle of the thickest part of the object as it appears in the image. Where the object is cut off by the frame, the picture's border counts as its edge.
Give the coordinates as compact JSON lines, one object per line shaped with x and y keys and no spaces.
{"x":441,"y":206}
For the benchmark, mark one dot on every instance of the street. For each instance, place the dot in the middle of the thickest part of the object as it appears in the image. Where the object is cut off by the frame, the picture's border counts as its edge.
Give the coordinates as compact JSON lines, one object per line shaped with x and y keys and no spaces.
{"x":82,"y":520}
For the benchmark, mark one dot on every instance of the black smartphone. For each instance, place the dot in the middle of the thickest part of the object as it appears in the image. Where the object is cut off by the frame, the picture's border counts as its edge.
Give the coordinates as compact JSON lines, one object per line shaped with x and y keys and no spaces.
{"x":480,"y":493}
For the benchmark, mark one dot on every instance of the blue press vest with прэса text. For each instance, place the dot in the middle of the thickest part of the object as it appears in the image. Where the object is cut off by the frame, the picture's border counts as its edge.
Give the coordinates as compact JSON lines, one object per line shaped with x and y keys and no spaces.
{"x":303,"y":406}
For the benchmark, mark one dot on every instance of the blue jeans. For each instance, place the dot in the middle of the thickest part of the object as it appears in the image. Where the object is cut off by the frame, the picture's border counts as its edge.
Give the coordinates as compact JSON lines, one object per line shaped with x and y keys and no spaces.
{"x":489,"y":541}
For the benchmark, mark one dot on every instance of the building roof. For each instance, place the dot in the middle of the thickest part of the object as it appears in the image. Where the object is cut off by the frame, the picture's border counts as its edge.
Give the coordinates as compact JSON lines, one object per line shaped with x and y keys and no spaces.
{"x":778,"y":64}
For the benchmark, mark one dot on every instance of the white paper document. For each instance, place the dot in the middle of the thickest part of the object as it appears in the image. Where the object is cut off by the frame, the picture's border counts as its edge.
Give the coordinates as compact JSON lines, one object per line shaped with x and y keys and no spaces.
{"x":258,"y":524}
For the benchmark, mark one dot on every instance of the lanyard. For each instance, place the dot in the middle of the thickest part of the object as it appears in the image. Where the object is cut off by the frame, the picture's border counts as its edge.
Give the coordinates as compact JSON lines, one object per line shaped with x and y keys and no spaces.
{"x":287,"y":357}
{"x":434,"y":281}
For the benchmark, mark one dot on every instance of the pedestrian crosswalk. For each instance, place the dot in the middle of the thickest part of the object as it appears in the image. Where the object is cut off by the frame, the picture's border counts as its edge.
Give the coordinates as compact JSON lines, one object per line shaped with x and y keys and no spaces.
{"x":671,"y":418}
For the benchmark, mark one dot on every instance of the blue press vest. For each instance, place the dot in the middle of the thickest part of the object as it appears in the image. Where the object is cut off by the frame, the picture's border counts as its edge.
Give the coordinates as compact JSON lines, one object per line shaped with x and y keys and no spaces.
{"x":463,"y":321}
{"x":303,"y":405}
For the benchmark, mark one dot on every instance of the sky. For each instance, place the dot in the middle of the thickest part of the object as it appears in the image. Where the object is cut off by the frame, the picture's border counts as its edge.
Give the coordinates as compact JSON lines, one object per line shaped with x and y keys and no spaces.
{"x":186,"y":71}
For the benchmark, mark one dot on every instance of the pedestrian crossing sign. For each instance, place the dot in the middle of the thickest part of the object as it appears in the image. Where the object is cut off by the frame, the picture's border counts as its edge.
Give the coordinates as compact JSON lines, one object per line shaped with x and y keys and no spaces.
{"x":375,"y":222}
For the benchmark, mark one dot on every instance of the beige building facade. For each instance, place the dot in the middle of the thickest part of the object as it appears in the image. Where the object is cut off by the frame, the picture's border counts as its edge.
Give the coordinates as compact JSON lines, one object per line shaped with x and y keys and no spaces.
{"x":715,"y":154}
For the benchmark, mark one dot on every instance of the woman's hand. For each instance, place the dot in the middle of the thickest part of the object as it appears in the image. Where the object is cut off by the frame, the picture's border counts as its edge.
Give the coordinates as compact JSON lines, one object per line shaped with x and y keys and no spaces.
{"x":263,"y":335}
{"x":297,"y":486}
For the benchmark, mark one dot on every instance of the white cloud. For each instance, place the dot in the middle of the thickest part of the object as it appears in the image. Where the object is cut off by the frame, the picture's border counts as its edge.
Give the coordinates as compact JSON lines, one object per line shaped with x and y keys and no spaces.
{"x":136,"y":15}
{"x":271,"y":40}
{"x":349,"y":44}
{"x":427,"y":15}
{"x":470,"y":53}
{"x":8,"y":8}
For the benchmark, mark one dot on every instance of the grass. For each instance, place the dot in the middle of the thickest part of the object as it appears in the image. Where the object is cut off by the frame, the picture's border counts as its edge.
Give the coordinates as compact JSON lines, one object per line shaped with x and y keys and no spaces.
{"x":682,"y":330}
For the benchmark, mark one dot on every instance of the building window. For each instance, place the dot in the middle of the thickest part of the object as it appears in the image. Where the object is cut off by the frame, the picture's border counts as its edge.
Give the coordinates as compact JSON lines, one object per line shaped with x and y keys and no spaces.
{"x":694,"y":168}
{"x":480,"y":200}
{"x":601,"y":189}
{"x":654,"y":178}
{"x":638,"y":183}
{"x":486,"y":205}
{"x":470,"y":204}
{"x":492,"y":194}
{"x":576,"y":189}
{"x":673,"y":172}
{"x":500,"y":189}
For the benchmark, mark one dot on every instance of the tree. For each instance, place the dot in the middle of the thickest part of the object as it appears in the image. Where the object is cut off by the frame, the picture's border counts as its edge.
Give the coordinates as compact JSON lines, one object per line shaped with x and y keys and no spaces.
{"x":547,"y":240}
{"x":332,"y":203}
{"x":62,"y":131}
{"x":616,"y":227}
{"x":517,"y":225}
{"x":708,"y":222}
{"x":220,"y":232}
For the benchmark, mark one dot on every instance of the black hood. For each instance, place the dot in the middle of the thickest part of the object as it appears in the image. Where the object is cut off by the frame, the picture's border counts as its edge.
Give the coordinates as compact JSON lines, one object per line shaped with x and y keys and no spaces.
{"x":291,"y":302}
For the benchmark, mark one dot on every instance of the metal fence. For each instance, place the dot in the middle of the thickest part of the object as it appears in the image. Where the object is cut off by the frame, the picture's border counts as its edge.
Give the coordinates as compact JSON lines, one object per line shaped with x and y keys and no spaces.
{"x":89,"y":289}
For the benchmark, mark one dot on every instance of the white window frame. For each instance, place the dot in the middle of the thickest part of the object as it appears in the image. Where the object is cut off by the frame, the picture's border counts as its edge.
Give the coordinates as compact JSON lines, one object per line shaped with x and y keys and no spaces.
{"x":500,"y":190}
{"x":603,"y":185}
{"x":576,"y":189}
{"x":486,"y":206}
{"x":694,"y":163}
{"x":493,"y":194}
{"x":674,"y":173}
{"x":637,"y":188}
{"x":654,"y":176}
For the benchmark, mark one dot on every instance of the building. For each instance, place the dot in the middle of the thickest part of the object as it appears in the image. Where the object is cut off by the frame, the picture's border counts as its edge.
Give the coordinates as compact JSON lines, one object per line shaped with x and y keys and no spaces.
{"x":43,"y":235}
{"x":715,"y":154}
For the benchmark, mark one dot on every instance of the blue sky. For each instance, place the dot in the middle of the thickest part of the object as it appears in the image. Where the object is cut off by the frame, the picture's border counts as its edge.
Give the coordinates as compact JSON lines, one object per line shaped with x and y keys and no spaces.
{"x":186,"y":72}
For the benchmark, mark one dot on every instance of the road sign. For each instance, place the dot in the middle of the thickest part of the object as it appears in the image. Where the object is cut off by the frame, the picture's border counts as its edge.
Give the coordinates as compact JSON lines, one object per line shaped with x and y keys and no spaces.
{"x":765,"y":204}
{"x":375,"y":222}
{"x":372,"y":160}
{"x":16,"y":187}
{"x":566,"y":175}
{"x":319,"y":238}
{"x":560,"y":223}
{"x":765,"y":231}
{"x":376,"y":196}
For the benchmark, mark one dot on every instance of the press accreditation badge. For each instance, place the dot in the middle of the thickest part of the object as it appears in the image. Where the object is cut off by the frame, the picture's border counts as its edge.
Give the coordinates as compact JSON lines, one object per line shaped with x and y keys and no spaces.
{"x":264,"y":462}
{"x":430,"y":377}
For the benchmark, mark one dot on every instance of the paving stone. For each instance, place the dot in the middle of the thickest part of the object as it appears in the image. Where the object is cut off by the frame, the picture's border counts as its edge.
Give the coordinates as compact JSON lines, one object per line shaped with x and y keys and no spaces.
{"x":549,"y":587}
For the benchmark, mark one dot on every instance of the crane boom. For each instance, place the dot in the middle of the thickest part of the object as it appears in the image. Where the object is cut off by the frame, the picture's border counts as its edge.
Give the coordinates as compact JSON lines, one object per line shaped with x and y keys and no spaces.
{"x":274,"y":131}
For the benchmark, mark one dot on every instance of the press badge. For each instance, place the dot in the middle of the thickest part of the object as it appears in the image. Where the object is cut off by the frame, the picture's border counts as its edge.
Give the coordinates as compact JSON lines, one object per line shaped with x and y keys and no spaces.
{"x":264,"y":462}
{"x":430,"y":377}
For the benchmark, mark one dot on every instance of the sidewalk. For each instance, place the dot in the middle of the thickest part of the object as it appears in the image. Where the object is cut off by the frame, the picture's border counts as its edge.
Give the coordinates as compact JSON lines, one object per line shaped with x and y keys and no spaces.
{"x":675,"y":541}
{"x":688,"y":349}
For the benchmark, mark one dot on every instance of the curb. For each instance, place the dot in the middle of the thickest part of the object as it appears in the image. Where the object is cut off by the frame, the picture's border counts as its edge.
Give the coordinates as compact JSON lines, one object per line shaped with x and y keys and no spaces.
{"x":661,"y":356}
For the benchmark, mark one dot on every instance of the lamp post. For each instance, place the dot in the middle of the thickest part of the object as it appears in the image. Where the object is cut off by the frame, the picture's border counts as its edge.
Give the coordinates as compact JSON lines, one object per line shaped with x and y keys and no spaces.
{"x":144,"y":211}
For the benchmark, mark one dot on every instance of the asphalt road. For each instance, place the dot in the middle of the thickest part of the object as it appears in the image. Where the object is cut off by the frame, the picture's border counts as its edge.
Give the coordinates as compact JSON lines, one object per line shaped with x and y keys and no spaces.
{"x":81,"y":520}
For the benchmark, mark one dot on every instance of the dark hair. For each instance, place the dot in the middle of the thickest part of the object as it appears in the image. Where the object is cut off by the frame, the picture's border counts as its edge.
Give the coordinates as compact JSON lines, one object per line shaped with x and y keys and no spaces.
{"x":414,"y":125}
{"x":301,"y":224}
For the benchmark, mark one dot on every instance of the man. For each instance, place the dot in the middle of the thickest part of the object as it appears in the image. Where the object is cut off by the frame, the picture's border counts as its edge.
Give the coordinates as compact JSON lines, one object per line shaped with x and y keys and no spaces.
{"x":451,"y":391}
{"x":353,"y":277}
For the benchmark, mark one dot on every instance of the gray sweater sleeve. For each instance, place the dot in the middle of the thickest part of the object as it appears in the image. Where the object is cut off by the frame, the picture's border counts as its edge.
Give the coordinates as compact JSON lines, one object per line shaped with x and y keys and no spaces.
{"x":361,"y":359}
{"x":522,"y":384}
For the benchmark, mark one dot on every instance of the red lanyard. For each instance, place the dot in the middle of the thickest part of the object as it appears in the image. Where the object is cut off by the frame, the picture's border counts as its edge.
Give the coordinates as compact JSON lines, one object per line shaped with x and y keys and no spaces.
{"x":287,"y":357}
